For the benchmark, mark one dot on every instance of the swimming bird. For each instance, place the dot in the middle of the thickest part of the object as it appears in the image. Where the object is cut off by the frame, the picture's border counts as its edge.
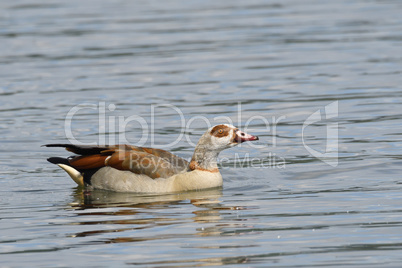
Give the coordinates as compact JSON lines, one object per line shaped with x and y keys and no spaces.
{"x":128,"y":168}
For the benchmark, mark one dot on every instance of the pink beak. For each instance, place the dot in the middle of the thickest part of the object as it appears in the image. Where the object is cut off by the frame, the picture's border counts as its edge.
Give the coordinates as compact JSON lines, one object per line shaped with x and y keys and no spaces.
{"x":242,"y":137}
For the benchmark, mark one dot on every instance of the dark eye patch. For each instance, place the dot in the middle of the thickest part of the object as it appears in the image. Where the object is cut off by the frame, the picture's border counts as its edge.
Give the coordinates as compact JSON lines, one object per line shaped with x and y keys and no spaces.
{"x":220,"y":131}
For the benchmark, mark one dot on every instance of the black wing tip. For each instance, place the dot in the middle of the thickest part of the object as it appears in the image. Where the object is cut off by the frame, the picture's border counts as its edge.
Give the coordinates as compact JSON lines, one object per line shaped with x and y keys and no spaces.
{"x":80,"y":149}
{"x":57,"y":145}
{"x":58,"y":160}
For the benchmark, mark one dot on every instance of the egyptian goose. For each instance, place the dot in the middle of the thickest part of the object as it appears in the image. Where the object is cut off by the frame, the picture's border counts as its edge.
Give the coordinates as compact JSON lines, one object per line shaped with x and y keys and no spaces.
{"x":127,"y":168}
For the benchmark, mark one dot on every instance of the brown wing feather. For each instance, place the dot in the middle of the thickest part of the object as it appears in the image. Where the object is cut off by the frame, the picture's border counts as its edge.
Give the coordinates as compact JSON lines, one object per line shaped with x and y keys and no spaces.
{"x":142,"y":163}
{"x":176,"y":161}
{"x":116,"y":160}
{"x":155,"y":163}
{"x":88,"y":161}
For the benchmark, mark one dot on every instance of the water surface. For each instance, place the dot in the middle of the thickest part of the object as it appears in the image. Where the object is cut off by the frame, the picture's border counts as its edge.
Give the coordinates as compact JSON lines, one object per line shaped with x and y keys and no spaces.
{"x":273,"y":62}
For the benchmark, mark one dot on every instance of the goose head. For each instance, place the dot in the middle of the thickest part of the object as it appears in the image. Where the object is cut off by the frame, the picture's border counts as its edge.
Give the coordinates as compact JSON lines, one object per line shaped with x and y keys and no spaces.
{"x":214,"y":140}
{"x":225,"y":136}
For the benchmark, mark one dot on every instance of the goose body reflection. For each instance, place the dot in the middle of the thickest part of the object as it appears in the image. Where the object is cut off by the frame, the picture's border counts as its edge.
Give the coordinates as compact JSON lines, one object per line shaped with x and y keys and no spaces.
{"x":126,"y":209}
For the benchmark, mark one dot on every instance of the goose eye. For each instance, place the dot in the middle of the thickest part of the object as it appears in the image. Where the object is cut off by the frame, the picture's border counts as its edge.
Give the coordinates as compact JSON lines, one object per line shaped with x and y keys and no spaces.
{"x":220,"y":131}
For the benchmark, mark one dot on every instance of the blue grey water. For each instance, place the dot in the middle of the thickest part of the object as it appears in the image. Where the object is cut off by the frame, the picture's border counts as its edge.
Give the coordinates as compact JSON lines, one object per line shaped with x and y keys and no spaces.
{"x":319,"y":81}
